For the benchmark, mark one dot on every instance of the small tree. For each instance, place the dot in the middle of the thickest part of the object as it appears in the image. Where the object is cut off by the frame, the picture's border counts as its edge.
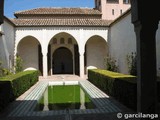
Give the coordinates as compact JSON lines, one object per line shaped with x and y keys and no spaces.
{"x":4,"y":71}
{"x":132,"y":63}
{"x":19,"y":64}
{"x":110,"y":64}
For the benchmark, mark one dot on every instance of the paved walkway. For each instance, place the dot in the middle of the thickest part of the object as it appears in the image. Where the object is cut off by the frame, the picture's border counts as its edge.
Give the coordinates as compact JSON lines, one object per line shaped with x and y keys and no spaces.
{"x":88,"y":116}
{"x":65,"y":77}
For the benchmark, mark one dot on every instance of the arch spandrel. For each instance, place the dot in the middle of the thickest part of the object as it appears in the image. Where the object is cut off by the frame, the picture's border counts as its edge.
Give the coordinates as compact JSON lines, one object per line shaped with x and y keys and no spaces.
{"x":64,"y":33}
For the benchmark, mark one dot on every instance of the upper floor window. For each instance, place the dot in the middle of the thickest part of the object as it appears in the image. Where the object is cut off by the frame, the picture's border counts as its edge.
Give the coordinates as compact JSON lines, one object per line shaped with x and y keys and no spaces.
{"x":54,"y":41}
{"x":62,"y":41}
{"x":112,"y":1}
{"x":69,"y":40}
{"x":121,"y":12}
{"x":112,"y":11}
{"x":126,"y":1}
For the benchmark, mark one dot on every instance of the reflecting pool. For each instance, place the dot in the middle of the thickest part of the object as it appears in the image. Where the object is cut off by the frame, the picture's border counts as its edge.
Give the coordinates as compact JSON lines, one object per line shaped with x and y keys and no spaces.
{"x":61,"y":97}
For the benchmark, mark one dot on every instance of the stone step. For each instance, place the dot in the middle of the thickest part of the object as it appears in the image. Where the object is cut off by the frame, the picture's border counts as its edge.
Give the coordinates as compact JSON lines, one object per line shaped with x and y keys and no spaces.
{"x":29,"y":100}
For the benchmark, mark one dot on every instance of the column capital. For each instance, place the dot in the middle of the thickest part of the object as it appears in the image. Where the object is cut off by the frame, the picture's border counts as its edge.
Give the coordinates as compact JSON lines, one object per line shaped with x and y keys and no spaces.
{"x":44,"y":54}
{"x":81,"y":52}
{"x":44,"y":51}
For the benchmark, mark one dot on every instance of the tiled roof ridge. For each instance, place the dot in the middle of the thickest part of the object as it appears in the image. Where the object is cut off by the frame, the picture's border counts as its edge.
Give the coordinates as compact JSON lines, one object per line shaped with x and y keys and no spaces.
{"x":86,"y":19}
{"x":58,"y":19}
{"x":58,"y":8}
{"x":61,"y":22}
{"x":54,"y":8}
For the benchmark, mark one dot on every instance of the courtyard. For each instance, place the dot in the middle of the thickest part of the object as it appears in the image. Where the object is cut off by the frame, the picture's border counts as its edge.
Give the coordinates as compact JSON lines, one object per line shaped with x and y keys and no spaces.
{"x":44,"y":41}
{"x":22,"y":108}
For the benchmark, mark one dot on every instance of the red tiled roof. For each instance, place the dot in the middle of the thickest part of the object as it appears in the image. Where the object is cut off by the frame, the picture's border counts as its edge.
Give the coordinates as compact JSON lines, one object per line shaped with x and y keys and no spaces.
{"x":61,"y":11}
{"x":61,"y":22}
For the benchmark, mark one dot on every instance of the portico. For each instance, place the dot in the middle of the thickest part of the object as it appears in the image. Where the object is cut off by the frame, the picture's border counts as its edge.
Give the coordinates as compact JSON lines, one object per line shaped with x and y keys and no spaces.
{"x":61,"y":50}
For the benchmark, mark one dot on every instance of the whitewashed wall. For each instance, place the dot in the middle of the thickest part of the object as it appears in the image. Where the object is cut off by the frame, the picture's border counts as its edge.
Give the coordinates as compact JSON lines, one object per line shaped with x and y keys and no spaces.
{"x":2,"y":53}
{"x":7,"y":44}
{"x":122,"y":41}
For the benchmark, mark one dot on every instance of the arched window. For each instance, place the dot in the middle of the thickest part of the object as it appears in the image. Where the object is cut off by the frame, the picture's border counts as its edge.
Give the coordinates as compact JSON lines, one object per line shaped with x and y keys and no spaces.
{"x":54,"y":41}
{"x":62,"y":41}
{"x":69,"y":40}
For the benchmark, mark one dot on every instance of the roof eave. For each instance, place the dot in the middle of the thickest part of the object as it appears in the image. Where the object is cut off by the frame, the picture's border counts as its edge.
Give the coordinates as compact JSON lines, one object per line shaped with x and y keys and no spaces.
{"x":62,"y":25}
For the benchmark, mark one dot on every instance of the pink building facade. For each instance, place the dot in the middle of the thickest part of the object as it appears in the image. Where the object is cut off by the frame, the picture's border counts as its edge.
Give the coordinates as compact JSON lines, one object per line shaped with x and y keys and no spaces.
{"x":112,"y":9}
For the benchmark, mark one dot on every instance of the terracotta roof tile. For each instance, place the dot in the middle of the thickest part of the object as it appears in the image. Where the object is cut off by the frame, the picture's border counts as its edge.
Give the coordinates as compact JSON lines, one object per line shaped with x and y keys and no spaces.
{"x":61,"y":22}
{"x":80,"y":11}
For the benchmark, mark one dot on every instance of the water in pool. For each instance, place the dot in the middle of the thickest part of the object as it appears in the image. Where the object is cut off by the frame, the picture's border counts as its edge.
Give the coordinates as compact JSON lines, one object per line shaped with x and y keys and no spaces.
{"x":62,"y":97}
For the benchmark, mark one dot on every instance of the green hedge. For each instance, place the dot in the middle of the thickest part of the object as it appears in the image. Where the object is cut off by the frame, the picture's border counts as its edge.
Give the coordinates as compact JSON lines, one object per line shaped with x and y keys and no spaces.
{"x":13,"y":86}
{"x":120,"y":86}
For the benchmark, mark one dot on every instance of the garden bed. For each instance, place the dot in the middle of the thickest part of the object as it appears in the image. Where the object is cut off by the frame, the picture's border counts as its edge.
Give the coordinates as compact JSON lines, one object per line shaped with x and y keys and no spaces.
{"x":120,"y":86}
{"x":12,"y":86}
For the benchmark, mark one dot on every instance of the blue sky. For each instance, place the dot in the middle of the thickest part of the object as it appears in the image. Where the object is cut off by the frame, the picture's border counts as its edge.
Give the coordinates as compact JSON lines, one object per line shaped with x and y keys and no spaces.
{"x":11,"y":6}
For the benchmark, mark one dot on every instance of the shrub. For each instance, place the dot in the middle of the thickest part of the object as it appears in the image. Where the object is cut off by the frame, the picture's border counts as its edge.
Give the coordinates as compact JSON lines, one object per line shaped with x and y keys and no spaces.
{"x":132,"y":63}
{"x":4,"y":71}
{"x":19,"y":64}
{"x":110,"y":64}
{"x":22,"y":81}
{"x":16,"y":84}
{"x":121,"y":87}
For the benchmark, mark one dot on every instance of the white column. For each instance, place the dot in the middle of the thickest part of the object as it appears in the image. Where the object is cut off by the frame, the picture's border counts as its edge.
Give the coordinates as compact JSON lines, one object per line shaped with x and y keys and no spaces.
{"x":81,"y":53}
{"x":45,"y":65}
{"x":46,"y":100}
{"x":81,"y":57}
{"x":82,"y":99}
{"x":44,"y":52}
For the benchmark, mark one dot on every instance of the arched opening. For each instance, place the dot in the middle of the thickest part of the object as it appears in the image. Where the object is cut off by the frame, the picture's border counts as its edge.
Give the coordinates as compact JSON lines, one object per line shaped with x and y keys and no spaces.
{"x":62,"y":62}
{"x":29,"y":49}
{"x":96,"y":50}
{"x":63,"y":45}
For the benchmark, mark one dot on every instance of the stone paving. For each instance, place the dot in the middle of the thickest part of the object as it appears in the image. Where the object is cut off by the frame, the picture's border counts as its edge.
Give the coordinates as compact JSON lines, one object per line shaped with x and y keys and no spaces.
{"x":82,"y":116}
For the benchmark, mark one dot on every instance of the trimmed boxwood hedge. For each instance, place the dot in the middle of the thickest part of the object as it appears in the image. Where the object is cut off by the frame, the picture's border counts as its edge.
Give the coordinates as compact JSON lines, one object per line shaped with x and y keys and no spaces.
{"x":120,"y":86}
{"x":13,"y":86}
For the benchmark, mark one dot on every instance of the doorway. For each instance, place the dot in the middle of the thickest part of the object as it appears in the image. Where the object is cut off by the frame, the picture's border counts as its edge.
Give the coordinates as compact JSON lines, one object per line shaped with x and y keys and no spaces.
{"x":62,"y":61}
